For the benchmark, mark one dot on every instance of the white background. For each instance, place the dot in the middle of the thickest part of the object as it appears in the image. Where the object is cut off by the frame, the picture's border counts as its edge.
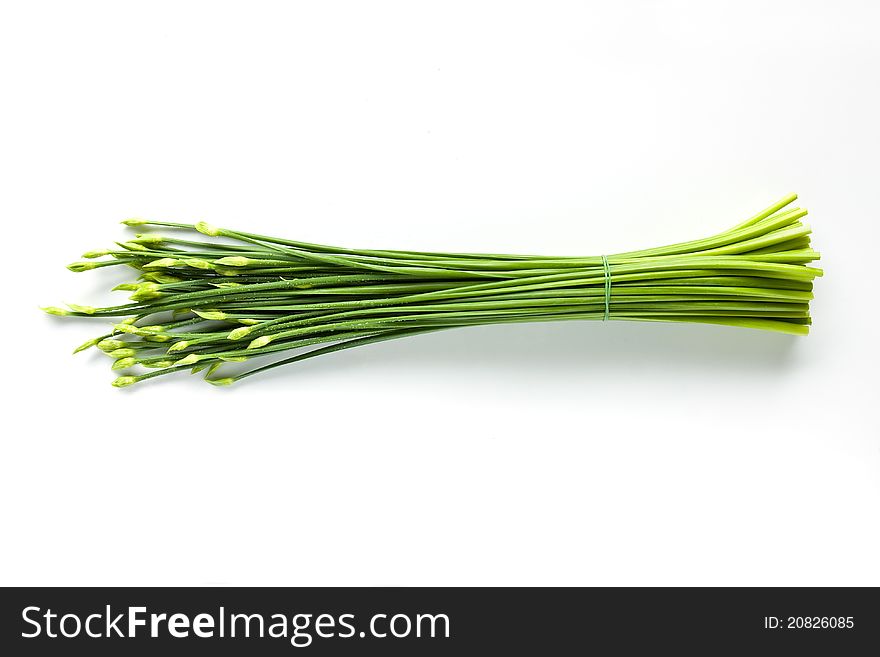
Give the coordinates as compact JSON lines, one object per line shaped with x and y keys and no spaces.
{"x":558,"y":454}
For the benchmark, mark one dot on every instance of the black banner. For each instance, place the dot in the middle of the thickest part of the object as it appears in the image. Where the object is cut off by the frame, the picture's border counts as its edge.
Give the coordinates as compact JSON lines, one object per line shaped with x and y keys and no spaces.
{"x":431,"y":621}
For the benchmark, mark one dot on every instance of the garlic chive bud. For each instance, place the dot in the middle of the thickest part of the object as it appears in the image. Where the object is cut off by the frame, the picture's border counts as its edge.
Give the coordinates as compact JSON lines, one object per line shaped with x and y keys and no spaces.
{"x":109,"y":344}
{"x":129,"y":320}
{"x":158,"y":364}
{"x":122,"y":381}
{"x":159,"y":277}
{"x":81,"y":266}
{"x":211,"y":314}
{"x":197,"y":263}
{"x":123,"y":327}
{"x":54,"y":310}
{"x":122,"y":352}
{"x":249,"y":322}
{"x":163,"y":262}
{"x":262,"y":341}
{"x":233,"y":359}
{"x":86,"y":345}
{"x":234,"y":261}
{"x":191,"y":359}
{"x":148,"y":238}
{"x":226,"y":271}
{"x":221,"y":382}
{"x":156,"y":337}
{"x":98,"y":253}
{"x":207,"y":229}
{"x":87,"y":310}
{"x":178,"y":346}
{"x":239,"y":333}
{"x":124,"y":363}
{"x":227,"y":284}
{"x":135,"y":222}
{"x":126,"y":287}
{"x":132,"y":246}
{"x":146,"y":291}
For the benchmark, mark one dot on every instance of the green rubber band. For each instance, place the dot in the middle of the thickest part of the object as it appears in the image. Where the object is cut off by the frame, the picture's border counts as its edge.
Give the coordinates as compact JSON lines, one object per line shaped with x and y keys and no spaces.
{"x":607,"y":269}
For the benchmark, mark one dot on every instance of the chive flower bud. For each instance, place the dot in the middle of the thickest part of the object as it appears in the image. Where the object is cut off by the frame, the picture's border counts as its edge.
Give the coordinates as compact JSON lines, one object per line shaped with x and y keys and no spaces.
{"x":148,"y":238}
{"x":163,"y":262}
{"x":122,"y":352}
{"x":234,"y":261}
{"x":109,"y":344}
{"x":239,"y":333}
{"x":261,"y":341}
{"x":88,"y":310}
{"x":123,"y":327}
{"x":228,"y":381}
{"x":160,"y":277}
{"x":190,"y":359}
{"x":197,"y":263}
{"x":126,"y":287}
{"x":211,"y":314}
{"x":82,"y":266}
{"x":207,"y":229}
{"x":86,"y":345}
{"x":146,"y":291}
{"x":133,"y":246}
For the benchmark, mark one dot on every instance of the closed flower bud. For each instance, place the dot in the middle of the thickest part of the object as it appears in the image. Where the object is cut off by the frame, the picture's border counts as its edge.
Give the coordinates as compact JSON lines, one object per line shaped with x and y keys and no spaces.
{"x":86,"y":345}
{"x":163,"y":262}
{"x":211,"y":314}
{"x":86,"y":310}
{"x":123,"y":363}
{"x":197,"y":263}
{"x":81,"y":266}
{"x":207,"y":229}
{"x":132,"y":246}
{"x":228,"y":381}
{"x":262,"y":341}
{"x":234,"y":261}
{"x":239,"y":333}
{"x":148,"y":238}
{"x":109,"y":344}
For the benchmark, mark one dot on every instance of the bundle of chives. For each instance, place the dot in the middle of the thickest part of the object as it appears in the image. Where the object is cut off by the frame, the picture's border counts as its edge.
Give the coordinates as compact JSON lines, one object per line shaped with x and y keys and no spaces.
{"x":198,"y":304}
